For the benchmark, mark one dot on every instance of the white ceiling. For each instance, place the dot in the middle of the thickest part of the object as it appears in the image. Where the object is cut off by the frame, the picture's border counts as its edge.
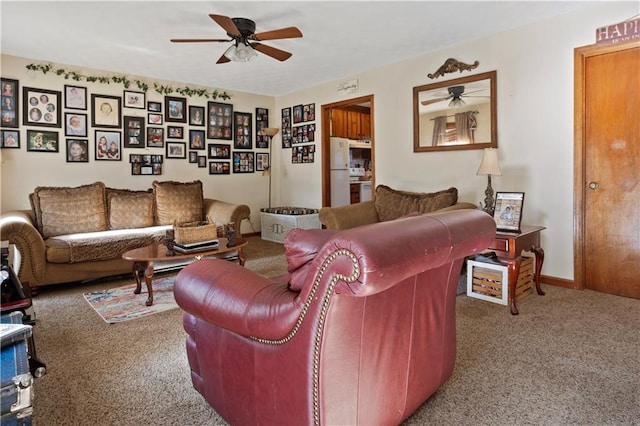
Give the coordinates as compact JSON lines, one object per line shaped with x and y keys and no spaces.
{"x":341,"y":39}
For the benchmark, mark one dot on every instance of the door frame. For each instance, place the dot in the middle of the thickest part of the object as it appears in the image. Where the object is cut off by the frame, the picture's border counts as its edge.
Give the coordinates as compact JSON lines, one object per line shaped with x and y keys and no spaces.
{"x":326,"y":145}
{"x":579,"y":152}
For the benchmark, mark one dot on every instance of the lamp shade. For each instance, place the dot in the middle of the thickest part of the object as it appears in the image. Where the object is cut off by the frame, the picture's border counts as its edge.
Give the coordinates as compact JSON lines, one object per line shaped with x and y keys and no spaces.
{"x":271,"y":131}
{"x":240,"y":53}
{"x":490,"y":164}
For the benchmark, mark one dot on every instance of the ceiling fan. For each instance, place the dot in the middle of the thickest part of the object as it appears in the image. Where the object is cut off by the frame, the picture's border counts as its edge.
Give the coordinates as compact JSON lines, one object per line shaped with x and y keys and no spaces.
{"x":242,"y":33}
{"x":456,"y":93}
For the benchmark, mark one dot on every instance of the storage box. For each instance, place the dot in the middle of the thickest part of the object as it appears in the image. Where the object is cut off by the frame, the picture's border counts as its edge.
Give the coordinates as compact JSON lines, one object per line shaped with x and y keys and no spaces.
{"x":490,"y":281}
{"x":17,"y":382}
{"x":276,"y":226}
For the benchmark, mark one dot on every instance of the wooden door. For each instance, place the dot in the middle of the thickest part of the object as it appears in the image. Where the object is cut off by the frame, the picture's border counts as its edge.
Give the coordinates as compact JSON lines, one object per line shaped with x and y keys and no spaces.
{"x":607,"y":180}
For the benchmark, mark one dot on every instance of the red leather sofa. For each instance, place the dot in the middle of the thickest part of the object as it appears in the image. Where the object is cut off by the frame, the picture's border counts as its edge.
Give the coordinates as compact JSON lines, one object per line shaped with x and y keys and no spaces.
{"x":361,"y":331}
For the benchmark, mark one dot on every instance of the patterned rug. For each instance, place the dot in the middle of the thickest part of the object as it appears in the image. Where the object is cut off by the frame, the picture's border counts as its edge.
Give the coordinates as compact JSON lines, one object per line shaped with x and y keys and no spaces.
{"x":121,"y":304}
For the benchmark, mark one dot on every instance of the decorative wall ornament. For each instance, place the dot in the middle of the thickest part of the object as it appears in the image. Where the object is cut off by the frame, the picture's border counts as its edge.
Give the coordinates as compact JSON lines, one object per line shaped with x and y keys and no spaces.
{"x":453,"y":65}
{"x":126,"y":82}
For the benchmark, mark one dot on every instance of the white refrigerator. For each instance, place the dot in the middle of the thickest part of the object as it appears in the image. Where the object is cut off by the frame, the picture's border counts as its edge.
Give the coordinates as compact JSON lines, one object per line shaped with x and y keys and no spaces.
{"x":340,"y":195}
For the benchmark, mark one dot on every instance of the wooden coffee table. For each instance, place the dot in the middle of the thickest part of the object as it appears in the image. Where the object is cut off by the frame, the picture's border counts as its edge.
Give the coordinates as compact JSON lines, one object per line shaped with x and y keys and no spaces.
{"x":143,"y":260}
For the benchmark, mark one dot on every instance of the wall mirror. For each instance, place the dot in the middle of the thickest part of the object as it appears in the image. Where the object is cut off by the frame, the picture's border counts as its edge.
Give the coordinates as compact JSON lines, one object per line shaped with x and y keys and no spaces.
{"x":456,"y":114}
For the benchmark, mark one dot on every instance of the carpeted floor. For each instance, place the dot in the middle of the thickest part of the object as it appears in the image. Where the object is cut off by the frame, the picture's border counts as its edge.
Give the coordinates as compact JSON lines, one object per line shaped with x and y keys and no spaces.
{"x":569,"y":358}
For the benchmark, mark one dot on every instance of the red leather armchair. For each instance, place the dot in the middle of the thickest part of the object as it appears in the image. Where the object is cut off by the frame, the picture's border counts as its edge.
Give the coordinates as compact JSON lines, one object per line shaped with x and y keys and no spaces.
{"x":362,"y":330}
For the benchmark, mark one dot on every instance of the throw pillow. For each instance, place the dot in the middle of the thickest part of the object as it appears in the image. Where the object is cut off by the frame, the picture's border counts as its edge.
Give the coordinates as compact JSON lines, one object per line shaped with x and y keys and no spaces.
{"x":65,"y":210}
{"x":178,"y":202}
{"x":130,"y":210}
{"x":391,"y":204}
{"x":301,"y":246}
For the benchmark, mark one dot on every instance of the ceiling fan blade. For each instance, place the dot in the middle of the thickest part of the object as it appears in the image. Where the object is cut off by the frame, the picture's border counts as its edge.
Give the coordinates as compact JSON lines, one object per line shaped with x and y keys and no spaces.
{"x":289,"y":32}
{"x":198,"y":40}
{"x":433,"y":101}
{"x":223,"y":60}
{"x":278,"y":54}
{"x":227,"y":24}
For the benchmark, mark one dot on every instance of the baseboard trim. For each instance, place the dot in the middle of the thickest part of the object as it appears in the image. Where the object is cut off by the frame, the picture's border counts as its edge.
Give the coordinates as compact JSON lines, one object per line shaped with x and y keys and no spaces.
{"x":252,"y":234}
{"x":559,"y":282}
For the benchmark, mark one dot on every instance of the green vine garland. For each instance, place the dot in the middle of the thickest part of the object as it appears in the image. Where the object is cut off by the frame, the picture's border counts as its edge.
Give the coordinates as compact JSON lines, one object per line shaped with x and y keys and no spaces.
{"x":162,"y":89}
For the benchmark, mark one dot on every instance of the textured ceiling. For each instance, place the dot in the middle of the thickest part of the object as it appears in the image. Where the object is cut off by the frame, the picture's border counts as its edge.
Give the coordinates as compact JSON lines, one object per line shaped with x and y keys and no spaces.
{"x":341,"y":39}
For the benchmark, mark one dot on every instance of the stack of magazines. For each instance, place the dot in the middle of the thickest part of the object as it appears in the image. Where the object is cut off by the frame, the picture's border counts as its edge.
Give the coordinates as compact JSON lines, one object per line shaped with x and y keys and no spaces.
{"x":196,"y":247}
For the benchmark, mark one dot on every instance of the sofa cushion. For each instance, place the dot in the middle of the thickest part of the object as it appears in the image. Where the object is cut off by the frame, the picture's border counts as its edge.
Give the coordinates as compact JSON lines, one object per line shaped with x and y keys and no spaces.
{"x":178,"y":202}
{"x":105,"y":245}
{"x":391,"y":204}
{"x":66,"y":210}
{"x":130,"y":209}
{"x":301,"y":246}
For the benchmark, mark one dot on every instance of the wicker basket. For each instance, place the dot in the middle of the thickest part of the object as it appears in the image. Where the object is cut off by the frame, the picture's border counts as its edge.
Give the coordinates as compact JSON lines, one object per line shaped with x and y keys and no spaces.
{"x":194,"y":232}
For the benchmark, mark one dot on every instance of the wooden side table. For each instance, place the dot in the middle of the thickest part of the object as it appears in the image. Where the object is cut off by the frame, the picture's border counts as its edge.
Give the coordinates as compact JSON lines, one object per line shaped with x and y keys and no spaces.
{"x":508,"y":246}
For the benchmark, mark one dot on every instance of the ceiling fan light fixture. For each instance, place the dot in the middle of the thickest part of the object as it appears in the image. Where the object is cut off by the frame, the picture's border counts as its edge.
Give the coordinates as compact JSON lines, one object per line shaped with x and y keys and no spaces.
{"x":456,"y":103}
{"x":240,"y":53}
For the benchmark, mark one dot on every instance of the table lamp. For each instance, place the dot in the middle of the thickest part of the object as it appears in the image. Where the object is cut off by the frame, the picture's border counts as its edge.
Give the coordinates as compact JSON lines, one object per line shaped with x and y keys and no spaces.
{"x":270,"y":132}
{"x":489,"y":166}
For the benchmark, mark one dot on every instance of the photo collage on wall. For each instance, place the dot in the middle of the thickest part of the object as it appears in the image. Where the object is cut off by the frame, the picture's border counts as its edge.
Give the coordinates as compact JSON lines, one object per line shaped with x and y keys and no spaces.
{"x":300,"y":133}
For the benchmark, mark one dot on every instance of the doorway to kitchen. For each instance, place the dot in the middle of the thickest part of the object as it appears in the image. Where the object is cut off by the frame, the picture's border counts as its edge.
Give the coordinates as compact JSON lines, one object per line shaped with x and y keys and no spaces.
{"x":352,"y":120}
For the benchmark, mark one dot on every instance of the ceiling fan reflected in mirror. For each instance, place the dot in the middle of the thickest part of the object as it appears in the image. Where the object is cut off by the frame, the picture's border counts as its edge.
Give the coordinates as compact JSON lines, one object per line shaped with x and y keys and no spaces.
{"x":455,"y":95}
{"x":245,"y":40}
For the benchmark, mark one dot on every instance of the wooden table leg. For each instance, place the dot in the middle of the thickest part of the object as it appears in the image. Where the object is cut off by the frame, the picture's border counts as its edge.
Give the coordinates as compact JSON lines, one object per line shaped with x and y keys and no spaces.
{"x":145,"y":269}
{"x":138,"y":269}
{"x":241,"y":258}
{"x":539,"y":259}
{"x":148,"y":278}
{"x":514,"y":272}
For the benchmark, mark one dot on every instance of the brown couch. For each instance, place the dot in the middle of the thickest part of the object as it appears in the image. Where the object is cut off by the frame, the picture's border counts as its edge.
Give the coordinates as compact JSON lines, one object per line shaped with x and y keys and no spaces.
{"x":362,"y":330}
{"x":389,"y":204}
{"x":80,"y":233}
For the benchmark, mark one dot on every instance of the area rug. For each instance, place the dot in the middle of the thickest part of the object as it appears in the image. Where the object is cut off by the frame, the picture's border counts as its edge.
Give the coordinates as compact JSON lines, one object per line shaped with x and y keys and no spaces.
{"x":121,"y":304}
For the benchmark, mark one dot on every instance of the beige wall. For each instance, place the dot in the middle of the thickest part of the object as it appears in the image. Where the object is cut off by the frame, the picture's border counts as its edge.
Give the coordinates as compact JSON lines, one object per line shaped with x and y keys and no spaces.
{"x":534,"y":68}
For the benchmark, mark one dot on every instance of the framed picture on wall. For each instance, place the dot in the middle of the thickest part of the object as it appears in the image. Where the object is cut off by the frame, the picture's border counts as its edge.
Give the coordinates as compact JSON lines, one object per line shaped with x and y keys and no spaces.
{"x":154,"y":106}
{"x":75,"y":97}
{"x":134,"y":99}
{"x":176,"y":150}
{"x":106,"y":111}
{"x":75,"y":124}
{"x":41,"y":107}
{"x":77,"y":151}
{"x":193,"y":156}
{"x":243,"y":162}
{"x":10,"y":139}
{"x":134,"y":132}
{"x":262,"y":161}
{"x":218,"y":151}
{"x":196,"y":116}
{"x":42,"y":141}
{"x":286,"y":127}
{"x":297,"y":114}
{"x":155,"y":137}
{"x":196,"y":139}
{"x":175,"y":109}
{"x":508,"y":211}
{"x":9,"y":107}
{"x":219,"y":121}
{"x":219,"y":168}
{"x":243,"y":139}
{"x":154,"y":119}
{"x":175,"y":132}
{"x":108,"y":145}
{"x":262,"y":122}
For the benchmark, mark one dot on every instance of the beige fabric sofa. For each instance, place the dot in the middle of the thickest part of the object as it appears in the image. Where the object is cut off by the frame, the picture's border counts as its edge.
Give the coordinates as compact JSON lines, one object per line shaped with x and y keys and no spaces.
{"x":80,"y":233}
{"x":390,"y":204}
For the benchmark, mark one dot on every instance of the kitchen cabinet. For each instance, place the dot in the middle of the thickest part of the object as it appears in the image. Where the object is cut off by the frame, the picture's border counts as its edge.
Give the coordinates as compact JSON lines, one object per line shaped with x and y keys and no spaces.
{"x":354,"y":190}
{"x":351,"y":123}
{"x":339,"y":123}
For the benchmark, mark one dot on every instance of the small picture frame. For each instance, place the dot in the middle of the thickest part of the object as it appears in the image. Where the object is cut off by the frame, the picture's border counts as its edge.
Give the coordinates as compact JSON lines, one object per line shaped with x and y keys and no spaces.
{"x":108,"y":145}
{"x":42,"y":141}
{"x":196,"y":139}
{"x":106,"y":111}
{"x":508,"y":211}
{"x":145,"y":164}
{"x":219,"y":168}
{"x":175,"y":132}
{"x":9,"y":108}
{"x":193,"y":157}
{"x":155,"y":119}
{"x":10,"y":139}
{"x":262,"y":161}
{"x":202,"y":161}
{"x":41,"y":107}
{"x":175,"y":109}
{"x":243,"y":162}
{"x":154,"y":106}
{"x":219,"y":121}
{"x":134,"y":132}
{"x":243,"y":138}
{"x":297,"y":114}
{"x":77,"y":151}
{"x":218,"y":151}
{"x":155,"y":137}
{"x":75,"y":97}
{"x":196,"y":116}
{"x":286,"y":127}
{"x":176,"y":150}
{"x":262,"y":122}
{"x":309,"y":112}
{"x":75,"y":124}
{"x":134,"y":99}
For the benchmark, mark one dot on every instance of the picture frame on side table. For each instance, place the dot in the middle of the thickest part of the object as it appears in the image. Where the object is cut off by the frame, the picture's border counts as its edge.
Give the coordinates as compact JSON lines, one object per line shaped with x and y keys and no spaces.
{"x":9,"y":108}
{"x":106,"y":111}
{"x":41,"y":107}
{"x":75,"y":97}
{"x":508,"y":211}
{"x":10,"y":139}
{"x":42,"y":141}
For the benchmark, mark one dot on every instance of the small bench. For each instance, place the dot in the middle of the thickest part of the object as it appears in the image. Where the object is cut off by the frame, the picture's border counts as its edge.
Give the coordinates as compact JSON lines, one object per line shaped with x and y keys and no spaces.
{"x":276,"y":222}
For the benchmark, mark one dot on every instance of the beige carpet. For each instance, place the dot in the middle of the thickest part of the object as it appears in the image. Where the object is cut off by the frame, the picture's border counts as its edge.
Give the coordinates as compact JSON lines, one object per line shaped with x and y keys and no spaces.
{"x":569,"y":358}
